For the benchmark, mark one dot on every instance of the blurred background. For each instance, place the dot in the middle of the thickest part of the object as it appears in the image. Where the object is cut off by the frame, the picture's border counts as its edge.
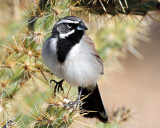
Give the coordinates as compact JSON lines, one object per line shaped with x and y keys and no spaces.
{"x":131,"y":58}
{"x":137,"y":85}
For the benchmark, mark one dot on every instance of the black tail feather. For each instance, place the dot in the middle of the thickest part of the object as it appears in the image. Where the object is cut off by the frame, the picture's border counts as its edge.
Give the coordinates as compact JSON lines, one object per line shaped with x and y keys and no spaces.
{"x":93,"y":103}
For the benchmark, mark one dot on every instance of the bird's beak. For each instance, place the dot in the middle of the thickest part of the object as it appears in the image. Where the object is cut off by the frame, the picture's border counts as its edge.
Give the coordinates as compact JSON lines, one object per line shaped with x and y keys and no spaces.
{"x":82,"y":26}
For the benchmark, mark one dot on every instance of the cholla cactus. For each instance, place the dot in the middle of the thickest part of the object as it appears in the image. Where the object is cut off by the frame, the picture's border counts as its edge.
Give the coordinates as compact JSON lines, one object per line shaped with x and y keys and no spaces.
{"x":117,"y":117}
{"x":24,"y":78}
{"x":115,"y":7}
{"x":57,"y":114}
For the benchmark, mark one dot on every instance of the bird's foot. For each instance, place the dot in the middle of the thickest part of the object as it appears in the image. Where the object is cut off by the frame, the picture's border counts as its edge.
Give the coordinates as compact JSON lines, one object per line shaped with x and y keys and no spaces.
{"x":73,"y":104}
{"x":58,"y":86}
{"x":78,"y":102}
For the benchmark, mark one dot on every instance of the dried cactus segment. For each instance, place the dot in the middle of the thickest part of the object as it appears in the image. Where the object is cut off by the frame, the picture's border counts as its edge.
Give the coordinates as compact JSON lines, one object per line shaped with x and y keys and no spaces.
{"x":9,"y":123}
{"x":115,"y":7}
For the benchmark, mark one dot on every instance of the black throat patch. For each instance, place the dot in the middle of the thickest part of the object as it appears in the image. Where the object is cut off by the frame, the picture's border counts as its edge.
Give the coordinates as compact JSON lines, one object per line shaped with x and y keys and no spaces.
{"x":65,"y":45}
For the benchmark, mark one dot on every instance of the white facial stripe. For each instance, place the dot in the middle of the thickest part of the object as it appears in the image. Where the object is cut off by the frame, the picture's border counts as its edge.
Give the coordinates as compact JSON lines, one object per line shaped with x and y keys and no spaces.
{"x":64,"y":35}
{"x":67,"y":21}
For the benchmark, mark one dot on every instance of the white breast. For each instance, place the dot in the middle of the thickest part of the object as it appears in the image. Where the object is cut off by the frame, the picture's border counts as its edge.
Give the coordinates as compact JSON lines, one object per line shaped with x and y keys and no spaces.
{"x":81,"y":67}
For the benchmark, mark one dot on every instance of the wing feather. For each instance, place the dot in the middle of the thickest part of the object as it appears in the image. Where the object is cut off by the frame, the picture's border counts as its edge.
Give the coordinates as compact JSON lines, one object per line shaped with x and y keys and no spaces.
{"x":95,"y":53}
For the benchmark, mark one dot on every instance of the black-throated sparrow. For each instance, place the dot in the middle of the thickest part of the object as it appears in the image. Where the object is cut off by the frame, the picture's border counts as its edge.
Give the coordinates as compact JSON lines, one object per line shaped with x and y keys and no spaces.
{"x":71,"y":55}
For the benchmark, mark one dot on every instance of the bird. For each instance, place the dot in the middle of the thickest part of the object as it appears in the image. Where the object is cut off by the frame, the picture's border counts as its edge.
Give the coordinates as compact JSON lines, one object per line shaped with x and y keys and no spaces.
{"x":71,"y":56}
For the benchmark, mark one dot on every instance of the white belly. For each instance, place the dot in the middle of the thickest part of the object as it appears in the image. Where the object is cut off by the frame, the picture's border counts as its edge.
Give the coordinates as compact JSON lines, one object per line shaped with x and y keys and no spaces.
{"x":80,"y":67}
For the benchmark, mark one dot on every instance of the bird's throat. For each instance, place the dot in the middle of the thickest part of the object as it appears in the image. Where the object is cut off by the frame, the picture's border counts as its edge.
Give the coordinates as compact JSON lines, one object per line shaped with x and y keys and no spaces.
{"x":65,"y":45}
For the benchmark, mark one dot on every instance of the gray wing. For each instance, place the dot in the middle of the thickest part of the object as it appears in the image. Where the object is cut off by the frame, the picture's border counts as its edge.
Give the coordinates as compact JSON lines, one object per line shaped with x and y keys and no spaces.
{"x":95,"y":53}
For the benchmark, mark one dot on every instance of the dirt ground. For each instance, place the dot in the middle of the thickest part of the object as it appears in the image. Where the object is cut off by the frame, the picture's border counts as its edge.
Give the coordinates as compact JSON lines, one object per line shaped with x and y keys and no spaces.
{"x":138,"y":86}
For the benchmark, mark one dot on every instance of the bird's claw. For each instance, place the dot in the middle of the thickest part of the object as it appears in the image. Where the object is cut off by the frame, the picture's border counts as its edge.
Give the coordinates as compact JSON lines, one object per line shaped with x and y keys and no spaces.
{"x":78,"y":102}
{"x":57,"y":84}
{"x":71,"y":104}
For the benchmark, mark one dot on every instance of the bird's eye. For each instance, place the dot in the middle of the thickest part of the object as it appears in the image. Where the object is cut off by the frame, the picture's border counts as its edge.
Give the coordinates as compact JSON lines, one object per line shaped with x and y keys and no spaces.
{"x":69,"y":26}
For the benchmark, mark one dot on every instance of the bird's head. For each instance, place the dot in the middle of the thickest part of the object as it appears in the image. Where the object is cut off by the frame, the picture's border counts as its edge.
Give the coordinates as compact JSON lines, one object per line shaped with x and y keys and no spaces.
{"x":68,"y":26}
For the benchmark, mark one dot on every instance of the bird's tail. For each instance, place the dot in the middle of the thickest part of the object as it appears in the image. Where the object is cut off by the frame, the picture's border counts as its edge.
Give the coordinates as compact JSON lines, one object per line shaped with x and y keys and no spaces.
{"x":92,"y":105}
